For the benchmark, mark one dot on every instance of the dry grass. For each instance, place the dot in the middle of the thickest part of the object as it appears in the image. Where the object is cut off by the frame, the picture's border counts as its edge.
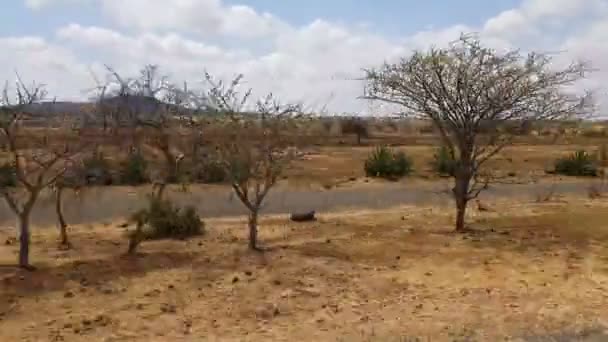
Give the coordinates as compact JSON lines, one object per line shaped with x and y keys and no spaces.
{"x":531,"y":268}
{"x":331,"y":166}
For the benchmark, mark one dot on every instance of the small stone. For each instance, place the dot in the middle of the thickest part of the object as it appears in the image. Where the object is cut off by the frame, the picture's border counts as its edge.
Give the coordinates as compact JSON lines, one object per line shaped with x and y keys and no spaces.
{"x":248,"y":273}
{"x":86,"y":322}
{"x":235,"y":280}
{"x":328,"y":241}
{"x":68,"y":294}
{"x":171,"y":287}
{"x":67,"y":326}
{"x":200,"y":244}
{"x":428,"y":274}
{"x":168,"y":308}
{"x":398,"y":257}
{"x":277,"y":282}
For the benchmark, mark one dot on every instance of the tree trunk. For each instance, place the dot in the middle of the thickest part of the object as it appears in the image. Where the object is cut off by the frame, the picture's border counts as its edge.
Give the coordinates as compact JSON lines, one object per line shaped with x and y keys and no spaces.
{"x":24,"y":240}
{"x":135,"y":238}
{"x":461,"y":190}
{"x":253,"y":230}
{"x":358,"y":139}
{"x":63,"y":226}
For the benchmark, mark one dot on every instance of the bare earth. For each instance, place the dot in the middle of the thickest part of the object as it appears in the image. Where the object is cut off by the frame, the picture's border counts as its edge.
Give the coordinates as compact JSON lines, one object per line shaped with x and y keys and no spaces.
{"x":531,"y":272}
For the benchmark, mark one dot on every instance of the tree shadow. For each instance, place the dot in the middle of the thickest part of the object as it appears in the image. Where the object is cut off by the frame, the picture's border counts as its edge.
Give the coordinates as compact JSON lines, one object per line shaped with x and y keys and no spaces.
{"x":93,"y":272}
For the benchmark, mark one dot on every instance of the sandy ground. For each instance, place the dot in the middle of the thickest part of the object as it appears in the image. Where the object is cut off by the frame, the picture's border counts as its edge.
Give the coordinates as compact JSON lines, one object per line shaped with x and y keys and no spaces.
{"x":531,"y":272}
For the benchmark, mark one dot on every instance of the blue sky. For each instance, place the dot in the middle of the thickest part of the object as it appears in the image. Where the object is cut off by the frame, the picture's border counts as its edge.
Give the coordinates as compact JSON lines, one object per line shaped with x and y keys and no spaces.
{"x":392,"y":17}
{"x":294,"y":48}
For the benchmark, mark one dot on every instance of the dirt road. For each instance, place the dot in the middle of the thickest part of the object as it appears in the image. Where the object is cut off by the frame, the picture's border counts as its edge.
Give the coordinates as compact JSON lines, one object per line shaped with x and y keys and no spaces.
{"x":107,"y":204}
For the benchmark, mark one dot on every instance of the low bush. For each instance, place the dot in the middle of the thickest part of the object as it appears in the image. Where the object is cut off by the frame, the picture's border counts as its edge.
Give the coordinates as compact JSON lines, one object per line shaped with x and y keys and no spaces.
{"x":385,"y":163}
{"x":443,"y":163}
{"x":163,"y":220}
{"x":579,"y":163}
{"x":8,"y":177}
{"x":212,"y":171}
{"x":134,"y":170}
{"x":97,"y":170}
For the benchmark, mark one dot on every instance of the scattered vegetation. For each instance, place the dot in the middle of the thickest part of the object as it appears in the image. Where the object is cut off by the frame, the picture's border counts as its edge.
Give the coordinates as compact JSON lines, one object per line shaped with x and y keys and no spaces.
{"x":163,"y":220}
{"x":386,"y":163}
{"x":134,"y":170}
{"x":578,"y":164}
{"x":443,"y":162}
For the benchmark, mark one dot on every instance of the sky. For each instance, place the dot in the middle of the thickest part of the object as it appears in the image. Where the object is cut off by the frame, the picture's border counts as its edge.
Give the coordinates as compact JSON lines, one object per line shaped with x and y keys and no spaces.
{"x":302,"y":51}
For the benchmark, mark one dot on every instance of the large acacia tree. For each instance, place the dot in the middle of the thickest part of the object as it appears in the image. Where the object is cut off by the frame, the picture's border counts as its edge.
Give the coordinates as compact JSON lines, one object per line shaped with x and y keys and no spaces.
{"x":469,"y":92}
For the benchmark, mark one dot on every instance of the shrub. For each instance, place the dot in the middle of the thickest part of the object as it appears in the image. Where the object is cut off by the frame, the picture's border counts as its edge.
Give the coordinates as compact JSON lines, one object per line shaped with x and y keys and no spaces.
{"x":162,"y":220}
{"x":357,"y":126}
{"x":443,"y":163}
{"x":385,"y":163}
{"x":96,"y":170}
{"x":134,"y":170}
{"x":212,"y":171}
{"x":580,"y":163}
{"x":8,"y":178}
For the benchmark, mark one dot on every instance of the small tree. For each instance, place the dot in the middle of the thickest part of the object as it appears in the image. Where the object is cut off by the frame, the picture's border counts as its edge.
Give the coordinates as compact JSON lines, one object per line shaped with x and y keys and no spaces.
{"x":158,"y":109}
{"x":357,"y":126}
{"x":256,"y":148}
{"x":35,"y":160}
{"x":467,"y":87}
{"x":72,"y":179}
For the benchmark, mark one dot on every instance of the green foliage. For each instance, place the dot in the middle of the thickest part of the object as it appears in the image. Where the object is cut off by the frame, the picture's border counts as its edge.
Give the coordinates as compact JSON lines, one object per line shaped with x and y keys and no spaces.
{"x":443,"y":162}
{"x":385,"y":163}
{"x":8,"y":177}
{"x":163,"y":220}
{"x":580,"y":163}
{"x":97,"y":170}
{"x":134,"y":170}
{"x":212,"y":171}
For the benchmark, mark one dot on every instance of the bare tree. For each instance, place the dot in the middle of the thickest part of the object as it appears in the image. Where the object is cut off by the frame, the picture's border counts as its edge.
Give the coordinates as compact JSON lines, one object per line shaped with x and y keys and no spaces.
{"x":35,"y":160}
{"x":257,"y":146}
{"x":161,"y":110}
{"x":72,"y":179}
{"x":467,"y":87}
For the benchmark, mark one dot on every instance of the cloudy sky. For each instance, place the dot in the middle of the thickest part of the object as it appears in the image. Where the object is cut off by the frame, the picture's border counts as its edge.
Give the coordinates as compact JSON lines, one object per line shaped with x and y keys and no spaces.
{"x":301,"y":50}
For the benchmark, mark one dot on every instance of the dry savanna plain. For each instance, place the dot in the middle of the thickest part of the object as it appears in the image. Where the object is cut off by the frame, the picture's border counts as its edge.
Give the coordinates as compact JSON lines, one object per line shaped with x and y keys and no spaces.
{"x":533,"y":265}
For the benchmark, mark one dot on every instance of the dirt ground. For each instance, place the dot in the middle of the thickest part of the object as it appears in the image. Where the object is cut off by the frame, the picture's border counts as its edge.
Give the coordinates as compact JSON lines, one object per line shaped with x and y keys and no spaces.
{"x":529,"y":270}
{"x":331,"y":166}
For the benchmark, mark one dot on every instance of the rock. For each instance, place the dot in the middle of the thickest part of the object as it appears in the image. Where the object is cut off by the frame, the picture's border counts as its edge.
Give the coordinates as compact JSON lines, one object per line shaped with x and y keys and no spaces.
{"x":168,"y":308}
{"x":277,"y":282}
{"x":267,"y":311}
{"x":287,"y":293}
{"x":248,"y":273}
{"x":68,"y":294}
{"x":428,"y":274}
{"x":235,"y":280}
{"x":310,"y":292}
{"x":303,"y":217}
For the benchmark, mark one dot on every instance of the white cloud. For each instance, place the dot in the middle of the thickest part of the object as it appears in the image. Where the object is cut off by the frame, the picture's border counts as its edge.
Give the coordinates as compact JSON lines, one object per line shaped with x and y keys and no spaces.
{"x":205,"y":17}
{"x":311,"y":63}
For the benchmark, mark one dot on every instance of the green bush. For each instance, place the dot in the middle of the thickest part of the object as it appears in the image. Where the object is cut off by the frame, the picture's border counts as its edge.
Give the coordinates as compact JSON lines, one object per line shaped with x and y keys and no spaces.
{"x":96,"y":170}
{"x":580,"y":163}
{"x":134,"y":170}
{"x":8,"y":178}
{"x":212,"y":172}
{"x":163,"y":220}
{"x":443,"y":163}
{"x":385,"y":163}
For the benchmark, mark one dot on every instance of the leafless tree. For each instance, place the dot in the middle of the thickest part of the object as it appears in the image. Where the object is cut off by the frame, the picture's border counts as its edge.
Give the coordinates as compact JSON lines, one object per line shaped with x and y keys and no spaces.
{"x":161,"y":110}
{"x":257,"y":146}
{"x":37,"y":158}
{"x":466,"y":87}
